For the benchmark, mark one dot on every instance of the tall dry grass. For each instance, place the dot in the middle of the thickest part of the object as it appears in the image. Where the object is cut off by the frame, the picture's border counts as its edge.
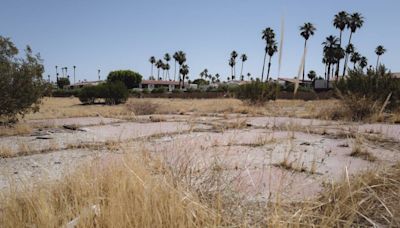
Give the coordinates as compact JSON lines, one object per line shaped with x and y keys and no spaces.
{"x":144,"y":191}
{"x":114,"y":193}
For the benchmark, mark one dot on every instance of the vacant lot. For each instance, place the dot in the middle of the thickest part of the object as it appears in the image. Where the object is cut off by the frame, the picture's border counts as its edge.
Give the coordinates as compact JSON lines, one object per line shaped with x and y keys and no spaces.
{"x":227,"y":163}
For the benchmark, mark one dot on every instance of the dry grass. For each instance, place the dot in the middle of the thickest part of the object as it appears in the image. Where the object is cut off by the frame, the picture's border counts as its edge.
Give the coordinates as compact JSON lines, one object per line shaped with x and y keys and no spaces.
{"x":358,"y":150}
{"x":117,"y":193}
{"x":6,"y":152}
{"x":142,"y":191}
{"x":16,"y":129}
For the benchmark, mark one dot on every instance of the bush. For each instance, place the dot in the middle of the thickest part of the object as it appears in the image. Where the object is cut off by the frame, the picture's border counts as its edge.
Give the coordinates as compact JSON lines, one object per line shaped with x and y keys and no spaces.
{"x":159,"y":90}
{"x":88,"y":94}
{"x":258,"y":92}
{"x":62,"y":82}
{"x":112,"y":93}
{"x":21,"y":82}
{"x":366,"y":94}
{"x":130,"y":78}
{"x":65,"y":92}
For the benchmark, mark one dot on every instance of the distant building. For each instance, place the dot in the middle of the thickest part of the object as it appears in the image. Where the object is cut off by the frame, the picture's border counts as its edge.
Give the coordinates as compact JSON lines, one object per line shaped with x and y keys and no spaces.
{"x":168,"y":85}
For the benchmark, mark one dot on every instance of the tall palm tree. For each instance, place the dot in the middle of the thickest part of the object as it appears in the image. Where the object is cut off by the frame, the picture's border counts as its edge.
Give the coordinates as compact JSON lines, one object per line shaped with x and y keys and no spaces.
{"x":380,"y":50}
{"x":184,"y":70}
{"x":74,"y":73}
{"x":175,"y":56}
{"x":272,"y":49}
{"x":152,"y":61}
{"x":56,"y":72}
{"x":232,"y":64}
{"x":306,"y":31}
{"x":248,"y":76}
{"x":98,"y":73}
{"x":355,"y":58}
{"x":331,"y":51}
{"x":268,"y":35}
{"x":243,"y":57}
{"x":363,"y":62}
{"x":355,"y":21}
{"x":181,"y":58}
{"x":167,"y":58}
{"x":234,"y":55}
{"x":217,"y":77}
{"x":340,"y":22}
{"x":159,"y":65}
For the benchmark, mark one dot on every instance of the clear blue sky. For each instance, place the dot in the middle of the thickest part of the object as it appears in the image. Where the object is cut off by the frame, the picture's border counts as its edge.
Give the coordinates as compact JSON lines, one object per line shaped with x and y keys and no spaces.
{"x":110,"y":35}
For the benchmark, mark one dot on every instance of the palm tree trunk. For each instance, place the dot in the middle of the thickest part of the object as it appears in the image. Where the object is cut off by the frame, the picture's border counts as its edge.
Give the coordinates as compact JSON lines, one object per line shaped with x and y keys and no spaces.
{"x":158,"y":74}
{"x":304,"y":59}
{"x":175,"y":71}
{"x":326,"y":66}
{"x":340,"y":45}
{"x":347,"y":56}
{"x":241,"y":70}
{"x":329,"y":70}
{"x":262,"y":74}
{"x":269,"y":67}
{"x":377,"y":63}
{"x":151,"y":70}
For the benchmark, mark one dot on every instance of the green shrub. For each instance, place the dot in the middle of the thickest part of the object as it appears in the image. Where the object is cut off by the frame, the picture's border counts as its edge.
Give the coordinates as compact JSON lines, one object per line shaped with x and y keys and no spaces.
{"x":65,"y":92}
{"x":21,"y":82}
{"x":112,"y":93}
{"x":159,"y":90}
{"x":130,"y":78}
{"x":62,"y":82}
{"x":88,"y":95}
{"x":373,"y":87}
{"x":177,"y":91}
{"x":257,"y":92}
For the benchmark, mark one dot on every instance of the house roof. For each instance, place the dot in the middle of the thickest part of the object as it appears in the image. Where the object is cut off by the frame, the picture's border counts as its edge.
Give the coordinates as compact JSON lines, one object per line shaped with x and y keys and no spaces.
{"x":160,"y":82}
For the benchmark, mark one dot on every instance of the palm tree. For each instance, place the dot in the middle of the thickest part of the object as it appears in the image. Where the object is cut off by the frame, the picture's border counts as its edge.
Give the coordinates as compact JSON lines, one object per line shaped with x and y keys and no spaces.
{"x":217,"y":77}
{"x":312,"y":75}
{"x":232,"y":64}
{"x":272,"y":49}
{"x":56,"y":72}
{"x":355,"y":58}
{"x":159,"y":64}
{"x":306,"y":31}
{"x":180,"y":58}
{"x":74,"y":73}
{"x":331,"y":52}
{"x":363,"y":62}
{"x":243,"y":57}
{"x":98,"y":73}
{"x":234,"y":55}
{"x":248,"y":76}
{"x":268,"y":35}
{"x":175,"y":56}
{"x":380,"y":50}
{"x":152,"y":61}
{"x":184,"y":70}
{"x":355,"y":21}
{"x":167,"y":58}
{"x":340,"y":22}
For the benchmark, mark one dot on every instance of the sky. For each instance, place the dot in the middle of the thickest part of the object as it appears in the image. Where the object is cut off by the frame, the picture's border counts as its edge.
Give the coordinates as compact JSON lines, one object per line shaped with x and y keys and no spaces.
{"x":122,"y":34}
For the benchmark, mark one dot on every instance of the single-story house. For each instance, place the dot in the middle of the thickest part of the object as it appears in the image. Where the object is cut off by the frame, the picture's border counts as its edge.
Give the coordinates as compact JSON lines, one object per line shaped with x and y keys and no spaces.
{"x":84,"y":83}
{"x":169,"y":85}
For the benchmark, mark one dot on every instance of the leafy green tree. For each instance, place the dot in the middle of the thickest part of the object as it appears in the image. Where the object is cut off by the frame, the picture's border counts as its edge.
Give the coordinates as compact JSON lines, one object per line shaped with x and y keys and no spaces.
{"x":380,"y":50}
{"x":306,"y":31}
{"x":62,"y":82}
{"x":312,"y":75}
{"x":21,"y":82}
{"x":130,"y":78}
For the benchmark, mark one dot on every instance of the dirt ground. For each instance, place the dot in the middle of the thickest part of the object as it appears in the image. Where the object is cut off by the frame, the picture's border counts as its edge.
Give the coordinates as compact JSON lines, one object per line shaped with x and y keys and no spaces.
{"x":263,"y":155}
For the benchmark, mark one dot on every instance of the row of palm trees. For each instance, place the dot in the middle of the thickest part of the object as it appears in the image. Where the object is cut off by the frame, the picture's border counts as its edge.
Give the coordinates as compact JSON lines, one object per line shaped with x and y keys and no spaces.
{"x":179,"y":57}
{"x":64,"y":69}
{"x":232,"y":64}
